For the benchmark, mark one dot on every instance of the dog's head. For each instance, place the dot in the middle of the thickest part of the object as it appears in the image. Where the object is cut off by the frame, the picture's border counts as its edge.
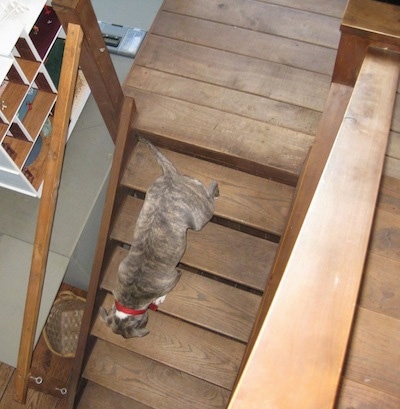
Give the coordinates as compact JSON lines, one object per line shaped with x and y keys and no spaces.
{"x":127,"y":325}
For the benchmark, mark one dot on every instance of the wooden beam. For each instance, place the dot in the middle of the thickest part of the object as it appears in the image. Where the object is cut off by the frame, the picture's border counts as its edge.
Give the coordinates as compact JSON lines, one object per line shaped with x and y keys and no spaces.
{"x":95,"y":61}
{"x":365,"y":23}
{"x":47,"y":206}
{"x":124,"y":143}
{"x":297,"y":359}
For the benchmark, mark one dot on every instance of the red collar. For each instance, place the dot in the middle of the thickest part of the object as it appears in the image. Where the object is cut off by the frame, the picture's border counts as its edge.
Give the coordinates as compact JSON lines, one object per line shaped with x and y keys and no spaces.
{"x":131,"y":311}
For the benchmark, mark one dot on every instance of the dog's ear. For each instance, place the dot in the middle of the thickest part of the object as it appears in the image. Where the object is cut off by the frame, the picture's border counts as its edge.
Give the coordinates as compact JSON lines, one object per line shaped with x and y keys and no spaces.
{"x":105,"y":316}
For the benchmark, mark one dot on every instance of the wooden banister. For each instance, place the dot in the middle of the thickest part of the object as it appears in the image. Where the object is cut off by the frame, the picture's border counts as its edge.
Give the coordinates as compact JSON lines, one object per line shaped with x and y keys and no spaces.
{"x":47,"y":207}
{"x":297,"y":358}
{"x":95,"y":60}
{"x":124,"y":144}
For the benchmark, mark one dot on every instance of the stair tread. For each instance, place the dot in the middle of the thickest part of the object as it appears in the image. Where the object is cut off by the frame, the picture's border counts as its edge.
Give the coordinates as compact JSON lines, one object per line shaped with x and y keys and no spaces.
{"x":269,"y":201}
{"x":97,"y":397}
{"x":150,"y":382}
{"x":173,"y":342}
{"x":227,"y":250}
{"x":202,"y":301}
{"x":247,"y":144}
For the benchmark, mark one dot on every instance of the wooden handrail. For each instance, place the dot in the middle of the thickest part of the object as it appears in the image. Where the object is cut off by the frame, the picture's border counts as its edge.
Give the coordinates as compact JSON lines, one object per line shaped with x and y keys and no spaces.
{"x":47,"y":207}
{"x":297,"y":359}
{"x":95,"y":61}
{"x":124,"y":144}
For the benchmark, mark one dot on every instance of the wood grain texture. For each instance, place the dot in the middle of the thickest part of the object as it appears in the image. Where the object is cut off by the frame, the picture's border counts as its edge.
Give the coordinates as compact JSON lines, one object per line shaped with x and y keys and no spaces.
{"x":231,"y":254}
{"x":95,"y":396}
{"x":238,"y":191}
{"x":259,"y":148}
{"x":380,"y":291}
{"x":374,"y":353}
{"x":182,"y":346}
{"x":358,"y":396}
{"x":246,"y":42}
{"x":280,"y":19}
{"x":327,"y":7}
{"x":257,"y":107}
{"x":251,"y":75}
{"x":317,"y":326}
{"x":202,"y":301}
{"x":47,"y":206}
{"x":156,"y":385}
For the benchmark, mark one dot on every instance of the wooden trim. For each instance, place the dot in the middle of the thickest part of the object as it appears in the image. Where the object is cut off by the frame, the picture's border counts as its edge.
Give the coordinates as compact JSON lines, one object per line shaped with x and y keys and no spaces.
{"x":47,"y":207}
{"x":96,"y":62}
{"x":126,"y":119}
{"x":332,"y":117}
{"x":299,"y":353}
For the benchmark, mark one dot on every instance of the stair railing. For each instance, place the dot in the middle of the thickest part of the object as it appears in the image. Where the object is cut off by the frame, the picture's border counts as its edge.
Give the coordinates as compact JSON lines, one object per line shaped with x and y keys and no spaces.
{"x":84,"y":46}
{"x":47,"y":207}
{"x":297,"y":370}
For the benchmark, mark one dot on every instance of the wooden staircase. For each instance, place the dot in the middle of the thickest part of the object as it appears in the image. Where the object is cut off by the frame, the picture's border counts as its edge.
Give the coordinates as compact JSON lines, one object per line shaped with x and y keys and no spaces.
{"x":219,"y":115}
{"x":192,"y":355}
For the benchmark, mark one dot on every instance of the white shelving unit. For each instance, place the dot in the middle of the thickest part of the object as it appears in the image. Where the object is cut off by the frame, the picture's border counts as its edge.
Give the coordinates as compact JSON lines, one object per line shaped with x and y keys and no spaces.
{"x":29,"y":30}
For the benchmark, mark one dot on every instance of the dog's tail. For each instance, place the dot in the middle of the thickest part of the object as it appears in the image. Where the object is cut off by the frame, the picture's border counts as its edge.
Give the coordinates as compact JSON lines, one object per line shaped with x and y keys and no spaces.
{"x":165,"y":164}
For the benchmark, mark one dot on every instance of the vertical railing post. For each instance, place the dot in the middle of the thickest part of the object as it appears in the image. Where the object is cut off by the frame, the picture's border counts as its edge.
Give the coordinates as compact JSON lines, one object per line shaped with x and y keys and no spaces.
{"x":47,"y":208}
{"x":95,"y":61}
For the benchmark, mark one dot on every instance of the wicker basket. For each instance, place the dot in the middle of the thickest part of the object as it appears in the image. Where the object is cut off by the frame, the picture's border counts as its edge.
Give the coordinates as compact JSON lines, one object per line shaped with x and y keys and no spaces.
{"x":62,"y":328}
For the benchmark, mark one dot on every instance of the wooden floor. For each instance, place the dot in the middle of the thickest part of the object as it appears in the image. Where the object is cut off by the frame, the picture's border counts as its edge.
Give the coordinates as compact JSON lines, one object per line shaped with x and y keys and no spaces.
{"x":216,"y":81}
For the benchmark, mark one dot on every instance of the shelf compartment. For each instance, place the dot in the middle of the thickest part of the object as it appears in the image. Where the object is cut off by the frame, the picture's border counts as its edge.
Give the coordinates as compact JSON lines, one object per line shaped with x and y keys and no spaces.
{"x":17,"y":149}
{"x":35,"y":171}
{"x":13,"y":95}
{"x":28,"y":67}
{"x":45,"y":30}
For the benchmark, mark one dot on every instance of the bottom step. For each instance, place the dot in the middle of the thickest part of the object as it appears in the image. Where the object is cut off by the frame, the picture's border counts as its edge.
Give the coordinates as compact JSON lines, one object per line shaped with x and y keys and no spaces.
{"x":150,"y":382}
{"x":97,"y":397}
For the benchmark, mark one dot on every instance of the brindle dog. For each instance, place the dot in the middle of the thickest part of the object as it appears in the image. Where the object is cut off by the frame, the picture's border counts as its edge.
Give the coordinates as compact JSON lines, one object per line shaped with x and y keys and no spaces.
{"x":173,"y":204}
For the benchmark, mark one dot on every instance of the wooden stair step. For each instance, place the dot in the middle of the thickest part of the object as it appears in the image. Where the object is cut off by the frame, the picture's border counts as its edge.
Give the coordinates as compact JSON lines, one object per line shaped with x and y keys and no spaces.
{"x":260,"y":148}
{"x":150,"y":382}
{"x":200,"y":300}
{"x":231,"y":254}
{"x":269,"y":201}
{"x":98,"y":397}
{"x":182,"y":346}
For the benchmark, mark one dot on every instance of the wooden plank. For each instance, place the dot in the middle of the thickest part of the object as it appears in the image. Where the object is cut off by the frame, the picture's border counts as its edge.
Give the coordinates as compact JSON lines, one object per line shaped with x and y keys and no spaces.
{"x":374,"y":353}
{"x":231,"y":254}
{"x":246,"y":42}
{"x":269,"y":201}
{"x":228,"y":100}
{"x":231,"y":70}
{"x":248,"y":145}
{"x":47,"y":206}
{"x":97,"y":65}
{"x":122,"y":150}
{"x":201,"y":301}
{"x":357,"y":396}
{"x":303,"y":360}
{"x":182,"y":346}
{"x":385,"y":239}
{"x":327,"y":7}
{"x":288,"y":22}
{"x":34,"y":399}
{"x":332,"y":117}
{"x":6,"y":372}
{"x":95,"y":396}
{"x":380,"y":291}
{"x":150,"y":382}
{"x":379,"y":22}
